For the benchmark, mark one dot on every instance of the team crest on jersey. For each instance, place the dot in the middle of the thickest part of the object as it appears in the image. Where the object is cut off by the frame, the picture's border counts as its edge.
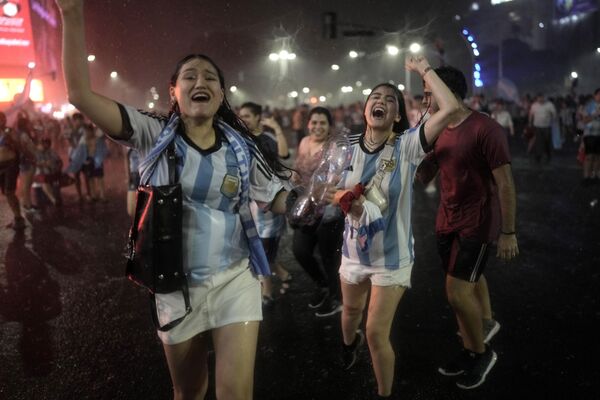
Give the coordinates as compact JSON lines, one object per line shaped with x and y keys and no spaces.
{"x":230,"y":186}
{"x":388,"y":165}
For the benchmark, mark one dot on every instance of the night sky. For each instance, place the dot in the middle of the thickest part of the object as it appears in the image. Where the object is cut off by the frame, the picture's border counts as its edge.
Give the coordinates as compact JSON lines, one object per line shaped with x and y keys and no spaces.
{"x":143,"y":40}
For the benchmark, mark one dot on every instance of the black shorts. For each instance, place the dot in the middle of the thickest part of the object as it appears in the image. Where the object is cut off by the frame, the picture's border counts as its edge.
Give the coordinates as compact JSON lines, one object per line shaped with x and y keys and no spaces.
{"x":271,"y":246}
{"x":462,"y":258}
{"x":592,"y":144}
{"x":9,"y":171}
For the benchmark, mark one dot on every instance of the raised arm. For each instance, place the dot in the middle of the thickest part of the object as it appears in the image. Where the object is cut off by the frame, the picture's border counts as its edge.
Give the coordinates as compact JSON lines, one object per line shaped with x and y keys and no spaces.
{"x":447,"y":102}
{"x":103,"y":111}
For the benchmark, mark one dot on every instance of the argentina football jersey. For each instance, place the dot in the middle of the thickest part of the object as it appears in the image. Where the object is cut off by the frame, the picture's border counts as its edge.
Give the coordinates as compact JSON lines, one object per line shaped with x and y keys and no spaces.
{"x":214,"y":238}
{"x":391,"y":247}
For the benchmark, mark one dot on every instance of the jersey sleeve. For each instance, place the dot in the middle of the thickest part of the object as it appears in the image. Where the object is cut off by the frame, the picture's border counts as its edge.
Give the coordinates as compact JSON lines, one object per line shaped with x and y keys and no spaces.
{"x":264,"y":184}
{"x":494,"y":145}
{"x":411,"y":145}
{"x":141,"y":128}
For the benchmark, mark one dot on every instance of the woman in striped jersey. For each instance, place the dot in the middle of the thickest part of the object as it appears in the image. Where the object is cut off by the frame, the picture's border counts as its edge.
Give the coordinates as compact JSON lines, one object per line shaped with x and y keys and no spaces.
{"x":220,"y":169}
{"x":378,"y":253}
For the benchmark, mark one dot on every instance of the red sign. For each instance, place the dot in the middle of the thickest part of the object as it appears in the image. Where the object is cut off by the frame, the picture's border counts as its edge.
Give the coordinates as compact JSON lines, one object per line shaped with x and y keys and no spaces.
{"x":16,"y":43}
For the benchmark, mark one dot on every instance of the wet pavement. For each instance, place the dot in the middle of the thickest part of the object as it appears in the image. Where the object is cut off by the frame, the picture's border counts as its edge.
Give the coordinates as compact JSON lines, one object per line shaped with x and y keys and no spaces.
{"x":73,"y":327}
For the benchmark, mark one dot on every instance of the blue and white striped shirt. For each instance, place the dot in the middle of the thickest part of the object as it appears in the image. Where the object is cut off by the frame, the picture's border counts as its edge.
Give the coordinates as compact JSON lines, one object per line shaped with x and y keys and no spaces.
{"x":214,"y":238}
{"x":392,"y":248}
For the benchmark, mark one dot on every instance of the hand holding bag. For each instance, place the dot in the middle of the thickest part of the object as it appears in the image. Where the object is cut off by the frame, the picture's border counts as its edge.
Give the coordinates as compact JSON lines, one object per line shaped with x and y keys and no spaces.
{"x":155,"y":248}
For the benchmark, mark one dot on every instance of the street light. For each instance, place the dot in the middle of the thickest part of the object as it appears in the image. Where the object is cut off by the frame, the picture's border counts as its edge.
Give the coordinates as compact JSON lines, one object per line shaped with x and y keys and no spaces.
{"x":31,"y":65}
{"x":401,"y":87}
{"x":392,"y":50}
{"x":91,"y":58}
{"x":273,"y":56}
{"x":322,"y":99}
{"x":353,"y":54}
{"x":114,"y":74}
{"x":335,"y":67}
{"x":574,"y":75}
{"x":305,"y":90}
{"x":598,"y":50}
{"x":233,"y":89}
{"x":414,"y":47}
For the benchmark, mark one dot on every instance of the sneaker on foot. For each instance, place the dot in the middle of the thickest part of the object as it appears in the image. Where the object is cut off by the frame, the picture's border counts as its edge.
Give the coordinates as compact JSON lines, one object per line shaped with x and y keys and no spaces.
{"x":350,"y":353}
{"x":329,"y":307}
{"x":490,"y":328}
{"x":318,"y":297}
{"x":481,"y":365}
{"x":457,"y":365}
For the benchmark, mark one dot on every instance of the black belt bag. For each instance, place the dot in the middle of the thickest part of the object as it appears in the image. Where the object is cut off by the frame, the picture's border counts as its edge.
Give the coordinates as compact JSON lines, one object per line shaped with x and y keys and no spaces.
{"x":155,"y":245}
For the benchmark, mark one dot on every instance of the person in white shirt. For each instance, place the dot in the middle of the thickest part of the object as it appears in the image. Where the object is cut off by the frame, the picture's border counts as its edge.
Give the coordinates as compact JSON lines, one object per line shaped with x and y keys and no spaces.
{"x":541,"y":116}
{"x":503,"y":117}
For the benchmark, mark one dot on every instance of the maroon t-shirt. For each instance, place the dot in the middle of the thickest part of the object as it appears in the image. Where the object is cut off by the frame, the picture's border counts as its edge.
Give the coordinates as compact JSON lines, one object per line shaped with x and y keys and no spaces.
{"x":466,"y":155}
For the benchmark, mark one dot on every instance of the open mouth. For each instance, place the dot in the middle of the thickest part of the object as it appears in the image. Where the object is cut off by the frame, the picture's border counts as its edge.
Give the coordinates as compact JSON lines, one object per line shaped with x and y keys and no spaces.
{"x":378,"y":112}
{"x":201,"y":98}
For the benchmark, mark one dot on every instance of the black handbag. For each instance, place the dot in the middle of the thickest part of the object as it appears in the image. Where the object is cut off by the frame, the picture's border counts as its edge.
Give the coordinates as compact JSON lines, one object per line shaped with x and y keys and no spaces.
{"x":155,"y":244}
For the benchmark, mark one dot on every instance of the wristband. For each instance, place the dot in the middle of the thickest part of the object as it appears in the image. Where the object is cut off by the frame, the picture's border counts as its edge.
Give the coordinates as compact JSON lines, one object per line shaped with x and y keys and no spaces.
{"x":508,"y":233}
{"x":426,"y":71}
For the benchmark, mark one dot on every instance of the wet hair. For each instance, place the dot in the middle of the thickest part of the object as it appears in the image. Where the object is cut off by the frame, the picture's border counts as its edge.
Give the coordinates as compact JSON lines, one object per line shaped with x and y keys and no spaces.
{"x":255,"y":109}
{"x":400,"y":126}
{"x":322,"y":111}
{"x":454,"y":79}
{"x":226,"y":114}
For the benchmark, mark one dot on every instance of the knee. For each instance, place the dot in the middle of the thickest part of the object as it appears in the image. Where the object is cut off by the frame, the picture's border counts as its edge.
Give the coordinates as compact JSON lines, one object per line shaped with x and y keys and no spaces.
{"x":457,"y":297}
{"x":378,"y":338}
{"x":352,"y":310}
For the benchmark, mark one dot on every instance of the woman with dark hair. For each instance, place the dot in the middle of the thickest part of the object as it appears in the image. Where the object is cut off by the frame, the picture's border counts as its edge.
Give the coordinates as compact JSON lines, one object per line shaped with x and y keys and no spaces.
{"x":378,"y":253}
{"x":326,"y":234}
{"x":220,"y":169}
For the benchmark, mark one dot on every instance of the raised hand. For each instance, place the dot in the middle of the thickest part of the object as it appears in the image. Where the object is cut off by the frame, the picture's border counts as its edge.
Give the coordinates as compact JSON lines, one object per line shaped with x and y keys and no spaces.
{"x":417,"y":63}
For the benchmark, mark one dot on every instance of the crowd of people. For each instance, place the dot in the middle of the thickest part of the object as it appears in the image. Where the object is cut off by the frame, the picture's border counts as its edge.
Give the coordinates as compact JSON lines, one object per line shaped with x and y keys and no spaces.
{"x":239,"y":181}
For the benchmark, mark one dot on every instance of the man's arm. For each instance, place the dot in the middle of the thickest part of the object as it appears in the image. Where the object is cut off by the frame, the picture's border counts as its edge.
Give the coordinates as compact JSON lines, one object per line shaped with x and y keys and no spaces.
{"x":507,"y":242}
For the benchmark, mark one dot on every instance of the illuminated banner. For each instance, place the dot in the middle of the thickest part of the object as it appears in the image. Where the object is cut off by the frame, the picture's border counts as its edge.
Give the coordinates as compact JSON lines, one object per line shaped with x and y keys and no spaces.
{"x":16,"y":44}
{"x":565,"y":8}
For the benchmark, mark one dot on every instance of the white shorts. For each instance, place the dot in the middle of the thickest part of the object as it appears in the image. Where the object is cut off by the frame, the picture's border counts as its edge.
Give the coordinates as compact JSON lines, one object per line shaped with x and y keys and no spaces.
{"x":225,"y":298}
{"x":355,"y":273}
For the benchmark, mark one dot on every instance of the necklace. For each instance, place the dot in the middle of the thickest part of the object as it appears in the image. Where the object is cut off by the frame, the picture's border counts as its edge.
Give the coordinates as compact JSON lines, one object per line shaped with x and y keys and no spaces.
{"x":370,"y":143}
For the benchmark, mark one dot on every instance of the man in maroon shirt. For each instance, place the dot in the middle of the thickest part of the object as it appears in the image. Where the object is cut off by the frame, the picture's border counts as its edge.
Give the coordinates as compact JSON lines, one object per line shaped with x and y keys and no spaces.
{"x":477,"y":207}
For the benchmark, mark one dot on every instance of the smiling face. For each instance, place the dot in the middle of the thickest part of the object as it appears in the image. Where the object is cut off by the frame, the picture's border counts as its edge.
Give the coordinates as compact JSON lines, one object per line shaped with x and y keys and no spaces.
{"x":382,"y":108}
{"x":318,"y":127}
{"x":197,"y":90}
{"x":251,"y":120}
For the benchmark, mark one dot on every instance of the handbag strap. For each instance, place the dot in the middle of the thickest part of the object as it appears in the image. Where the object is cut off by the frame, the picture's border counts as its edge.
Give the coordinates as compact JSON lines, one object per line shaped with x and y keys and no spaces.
{"x":172,"y":163}
{"x":188,"y":308}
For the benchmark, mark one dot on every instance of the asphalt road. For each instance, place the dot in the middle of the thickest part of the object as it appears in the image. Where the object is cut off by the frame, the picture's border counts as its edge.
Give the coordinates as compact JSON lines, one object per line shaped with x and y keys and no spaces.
{"x":73,"y":327}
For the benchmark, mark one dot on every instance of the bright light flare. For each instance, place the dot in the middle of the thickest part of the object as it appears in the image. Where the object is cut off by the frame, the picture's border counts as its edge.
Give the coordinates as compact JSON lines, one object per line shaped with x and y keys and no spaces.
{"x":414,"y":48}
{"x":392,"y":50}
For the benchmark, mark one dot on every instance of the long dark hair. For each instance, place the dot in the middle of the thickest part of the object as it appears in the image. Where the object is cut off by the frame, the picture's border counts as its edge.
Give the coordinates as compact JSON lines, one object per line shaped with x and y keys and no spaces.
{"x":402,"y":125}
{"x":226,"y":114}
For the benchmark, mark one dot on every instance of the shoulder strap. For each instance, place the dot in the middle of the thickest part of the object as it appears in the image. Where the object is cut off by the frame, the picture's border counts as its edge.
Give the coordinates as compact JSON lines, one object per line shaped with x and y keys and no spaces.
{"x":172,"y":163}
